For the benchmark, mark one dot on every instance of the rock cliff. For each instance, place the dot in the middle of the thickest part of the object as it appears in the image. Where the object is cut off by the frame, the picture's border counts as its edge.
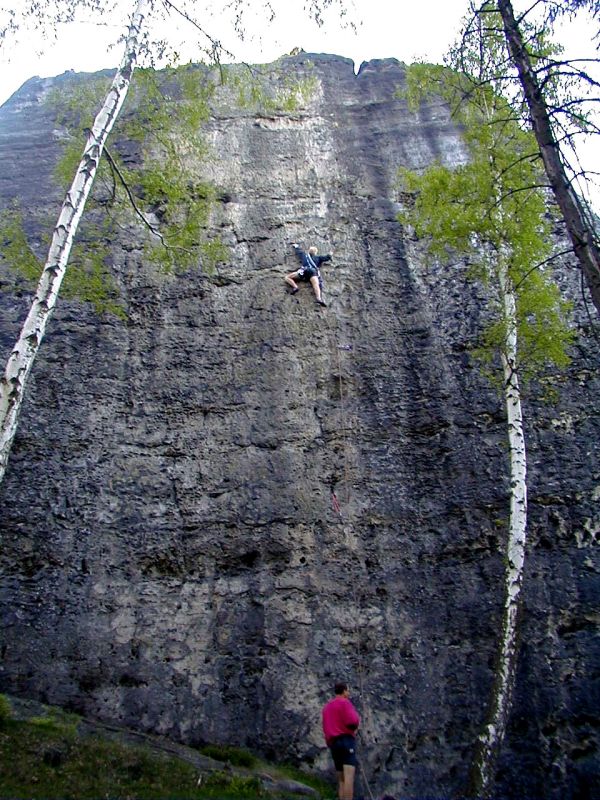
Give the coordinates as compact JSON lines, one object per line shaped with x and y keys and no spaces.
{"x":173,"y":558}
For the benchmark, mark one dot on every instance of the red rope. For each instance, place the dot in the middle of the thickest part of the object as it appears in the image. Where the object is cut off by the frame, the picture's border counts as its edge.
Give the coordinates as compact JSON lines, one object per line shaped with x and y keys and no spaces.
{"x":336,"y":505}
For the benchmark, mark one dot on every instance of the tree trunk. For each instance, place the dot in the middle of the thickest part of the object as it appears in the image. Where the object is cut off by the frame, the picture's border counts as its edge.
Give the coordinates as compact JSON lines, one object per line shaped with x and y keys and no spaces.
{"x":491,"y":739}
{"x":580,"y":232}
{"x":20,"y":362}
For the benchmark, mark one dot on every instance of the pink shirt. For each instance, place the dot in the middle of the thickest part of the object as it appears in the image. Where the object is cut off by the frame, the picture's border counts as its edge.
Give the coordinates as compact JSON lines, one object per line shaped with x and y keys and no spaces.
{"x":339,"y":717}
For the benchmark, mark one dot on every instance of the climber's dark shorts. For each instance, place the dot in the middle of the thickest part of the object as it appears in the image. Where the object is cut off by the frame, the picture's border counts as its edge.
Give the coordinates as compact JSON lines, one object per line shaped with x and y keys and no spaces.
{"x":343,"y":751}
{"x":306,"y":273}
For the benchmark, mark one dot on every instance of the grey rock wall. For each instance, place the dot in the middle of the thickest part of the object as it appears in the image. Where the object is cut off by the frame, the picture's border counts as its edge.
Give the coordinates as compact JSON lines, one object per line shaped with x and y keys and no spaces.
{"x":172,"y":557}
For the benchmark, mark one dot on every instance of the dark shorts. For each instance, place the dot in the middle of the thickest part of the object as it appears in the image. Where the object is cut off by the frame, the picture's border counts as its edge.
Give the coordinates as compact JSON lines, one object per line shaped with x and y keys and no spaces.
{"x":343,"y":751}
{"x":306,"y":273}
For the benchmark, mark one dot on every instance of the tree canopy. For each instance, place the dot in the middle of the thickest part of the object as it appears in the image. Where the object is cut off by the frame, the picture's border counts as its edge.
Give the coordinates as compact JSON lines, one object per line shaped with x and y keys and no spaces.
{"x":557,"y":98}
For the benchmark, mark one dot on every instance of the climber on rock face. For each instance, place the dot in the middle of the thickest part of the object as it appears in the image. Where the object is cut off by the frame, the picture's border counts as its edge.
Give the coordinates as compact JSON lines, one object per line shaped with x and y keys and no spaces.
{"x":309,"y":271}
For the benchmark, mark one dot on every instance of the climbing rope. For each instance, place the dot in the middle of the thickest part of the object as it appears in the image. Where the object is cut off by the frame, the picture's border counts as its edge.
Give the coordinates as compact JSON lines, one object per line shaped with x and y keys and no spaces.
{"x":336,"y":505}
{"x":343,"y":417}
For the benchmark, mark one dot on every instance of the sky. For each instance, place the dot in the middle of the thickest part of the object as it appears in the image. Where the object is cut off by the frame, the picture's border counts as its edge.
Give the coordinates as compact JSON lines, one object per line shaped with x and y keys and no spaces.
{"x":404,"y":29}
{"x":384,"y":28}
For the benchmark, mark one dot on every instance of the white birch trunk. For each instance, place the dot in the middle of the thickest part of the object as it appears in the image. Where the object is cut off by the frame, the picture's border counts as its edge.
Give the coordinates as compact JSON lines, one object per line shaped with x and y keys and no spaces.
{"x":493,"y":734}
{"x":20,"y":362}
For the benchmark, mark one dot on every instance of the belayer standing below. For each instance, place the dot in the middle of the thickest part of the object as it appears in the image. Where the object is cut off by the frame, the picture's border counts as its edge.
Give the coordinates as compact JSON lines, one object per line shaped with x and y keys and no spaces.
{"x":309,"y":271}
{"x":340,"y":723}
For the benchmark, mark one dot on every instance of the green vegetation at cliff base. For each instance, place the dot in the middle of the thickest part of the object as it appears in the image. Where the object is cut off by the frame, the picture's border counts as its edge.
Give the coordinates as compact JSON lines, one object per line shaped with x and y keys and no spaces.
{"x":49,"y":757}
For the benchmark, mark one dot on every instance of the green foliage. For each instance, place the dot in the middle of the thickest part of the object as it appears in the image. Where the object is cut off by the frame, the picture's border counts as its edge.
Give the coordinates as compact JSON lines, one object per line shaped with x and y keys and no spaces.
{"x":166,"y":119}
{"x":223,"y":784}
{"x":41,"y":759}
{"x":267,"y":92}
{"x":38,"y":760}
{"x":493,"y":210}
{"x":5,"y":710}
{"x":88,"y":278}
{"x":160,"y":185}
{"x":47,"y":757}
{"x":75,"y":107}
{"x":291,"y":94}
{"x":155,"y":95}
{"x":544,"y":337}
{"x":52,"y":723}
{"x":213,"y":252}
{"x":14,"y":247}
{"x":323,"y":787}
{"x":233,"y":755}
{"x":64,"y":171}
{"x":480,"y":63}
{"x":569,"y":91}
{"x":55,"y":720}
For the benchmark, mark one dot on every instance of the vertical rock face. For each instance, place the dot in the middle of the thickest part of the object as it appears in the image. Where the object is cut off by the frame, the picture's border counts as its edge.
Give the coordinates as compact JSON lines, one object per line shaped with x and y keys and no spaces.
{"x":173,"y":558}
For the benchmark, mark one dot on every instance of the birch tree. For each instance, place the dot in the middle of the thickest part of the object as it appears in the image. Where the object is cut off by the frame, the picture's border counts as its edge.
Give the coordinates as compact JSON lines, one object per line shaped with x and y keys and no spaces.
{"x":22,"y":357}
{"x":491,"y":211}
{"x":560,"y":101}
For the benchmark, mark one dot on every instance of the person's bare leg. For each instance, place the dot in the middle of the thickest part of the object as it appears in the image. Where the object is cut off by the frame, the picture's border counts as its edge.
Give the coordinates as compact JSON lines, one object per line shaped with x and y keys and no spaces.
{"x":340,"y":780}
{"x":348,"y":782}
{"x":289,"y":279}
{"x":314,"y":282}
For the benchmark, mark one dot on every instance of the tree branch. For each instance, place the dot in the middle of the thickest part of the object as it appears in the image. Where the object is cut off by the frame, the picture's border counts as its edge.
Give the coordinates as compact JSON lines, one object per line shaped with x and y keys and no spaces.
{"x":216,"y":48}
{"x":541,"y":264}
{"x":116,"y":171}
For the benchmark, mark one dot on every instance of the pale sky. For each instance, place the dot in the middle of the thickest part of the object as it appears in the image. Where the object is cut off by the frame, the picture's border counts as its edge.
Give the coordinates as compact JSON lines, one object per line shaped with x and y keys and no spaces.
{"x":385,"y":28}
{"x":404,"y":29}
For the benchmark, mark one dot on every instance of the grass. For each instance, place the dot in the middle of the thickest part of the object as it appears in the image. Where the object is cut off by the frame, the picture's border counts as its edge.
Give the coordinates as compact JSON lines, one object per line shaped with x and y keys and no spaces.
{"x":233,"y":755}
{"x":44,"y":761}
{"x":45,"y":758}
{"x":324,"y":788}
{"x":238,"y":757}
